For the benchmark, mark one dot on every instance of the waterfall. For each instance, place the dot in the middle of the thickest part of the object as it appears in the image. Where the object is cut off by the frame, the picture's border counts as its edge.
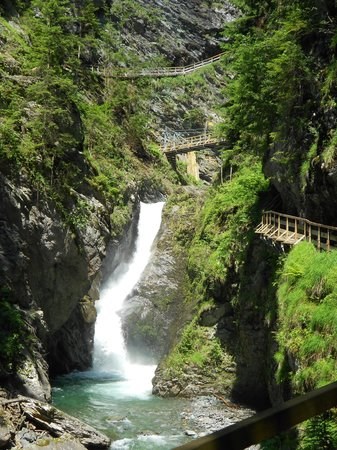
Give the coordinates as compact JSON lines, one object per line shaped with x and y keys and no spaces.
{"x":110,"y":356}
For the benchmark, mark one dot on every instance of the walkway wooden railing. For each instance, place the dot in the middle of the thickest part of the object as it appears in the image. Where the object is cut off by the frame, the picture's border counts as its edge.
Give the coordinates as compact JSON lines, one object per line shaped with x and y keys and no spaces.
{"x":190,"y":144}
{"x":160,"y":71}
{"x":269,"y":423}
{"x":291,"y":230}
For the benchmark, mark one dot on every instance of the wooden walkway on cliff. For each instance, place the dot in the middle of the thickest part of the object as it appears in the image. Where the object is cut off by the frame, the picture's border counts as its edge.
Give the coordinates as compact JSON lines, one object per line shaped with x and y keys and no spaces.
{"x":291,"y":230}
{"x":160,"y":71}
{"x":179,"y":145}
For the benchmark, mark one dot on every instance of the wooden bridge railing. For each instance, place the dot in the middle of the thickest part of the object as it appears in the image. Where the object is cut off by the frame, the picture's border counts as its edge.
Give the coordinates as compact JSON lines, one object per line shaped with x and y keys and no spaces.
{"x":160,"y":71}
{"x":190,"y":144}
{"x":291,"y":230}
{"x":269,"y":423}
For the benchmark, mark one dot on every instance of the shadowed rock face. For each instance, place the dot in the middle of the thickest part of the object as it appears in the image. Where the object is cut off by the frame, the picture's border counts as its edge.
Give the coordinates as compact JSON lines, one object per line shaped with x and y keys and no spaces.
{"x":183,"y":32}
{"x":49,"y":271}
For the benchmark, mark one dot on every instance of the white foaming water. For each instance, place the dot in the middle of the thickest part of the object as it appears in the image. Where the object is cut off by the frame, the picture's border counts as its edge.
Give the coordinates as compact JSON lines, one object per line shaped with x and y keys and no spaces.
{"x":110,"y":357}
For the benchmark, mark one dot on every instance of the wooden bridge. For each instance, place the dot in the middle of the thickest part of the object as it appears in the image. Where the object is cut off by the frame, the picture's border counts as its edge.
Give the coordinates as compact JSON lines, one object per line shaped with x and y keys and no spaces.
{"x":180,"y":145}
{"x":291,"y":230}
{"x":160,"y":71}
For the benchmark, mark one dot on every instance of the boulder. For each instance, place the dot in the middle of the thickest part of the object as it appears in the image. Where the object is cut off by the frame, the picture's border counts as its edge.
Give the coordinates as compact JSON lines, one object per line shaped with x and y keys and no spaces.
{"x":38,"y":424}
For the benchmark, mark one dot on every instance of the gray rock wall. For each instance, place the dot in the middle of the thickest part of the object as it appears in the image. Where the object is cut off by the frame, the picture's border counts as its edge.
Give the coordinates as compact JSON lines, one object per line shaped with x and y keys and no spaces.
{"x":183,"y":32}
{"x":53,"y":274}
{"x":155,"y":311}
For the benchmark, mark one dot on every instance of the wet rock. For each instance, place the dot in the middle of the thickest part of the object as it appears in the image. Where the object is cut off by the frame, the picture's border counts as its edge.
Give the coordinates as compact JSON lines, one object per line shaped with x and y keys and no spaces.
{"x":208,"y":414}
{"x":26,"y":437}
{"x":5,"y":433}
{"x":49,"y":270}
{"x":51,"y":444}
{"x":155,"y":310}
{"x":39,"y":424}
{"x":190,"y":433}
{"x":212,"y":316}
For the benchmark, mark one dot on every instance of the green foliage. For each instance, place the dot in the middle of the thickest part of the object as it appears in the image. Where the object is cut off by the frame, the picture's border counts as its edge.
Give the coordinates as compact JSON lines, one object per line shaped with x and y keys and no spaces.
{"x":226,"y":225}
{"x":60,"y":128}
{"x":12,"y":335}
{"x":53,"y":44}
{"x":272,"y":75}
{"x":284,"y":441}
{"x":197,"y":348}
{"x":307,"y":331}
{"x":119,"y":219}
{"x":127,"y":10}
{"x":329,"y":155}
{"x":320,"y":432}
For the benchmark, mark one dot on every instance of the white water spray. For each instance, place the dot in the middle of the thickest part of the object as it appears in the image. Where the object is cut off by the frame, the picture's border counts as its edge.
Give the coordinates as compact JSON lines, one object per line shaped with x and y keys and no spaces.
{"x":110,"y":357}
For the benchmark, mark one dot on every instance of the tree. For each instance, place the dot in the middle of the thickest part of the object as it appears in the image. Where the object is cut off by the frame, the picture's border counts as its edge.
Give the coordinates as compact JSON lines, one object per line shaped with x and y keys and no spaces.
{"x":53,"y":42}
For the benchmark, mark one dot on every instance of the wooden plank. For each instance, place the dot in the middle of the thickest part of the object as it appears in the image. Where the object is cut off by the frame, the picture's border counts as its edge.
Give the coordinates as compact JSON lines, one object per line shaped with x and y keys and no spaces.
{"x":266,"y":228}
{"x":322,"y":236}
{"x":281,"y":236}
{"x":328,"y":241}
{"x":295,"y":238}
{"x":272,"y":233}
{"x":302,"y":238}
{"x":290,"y":239}
{"x":269,"y":423}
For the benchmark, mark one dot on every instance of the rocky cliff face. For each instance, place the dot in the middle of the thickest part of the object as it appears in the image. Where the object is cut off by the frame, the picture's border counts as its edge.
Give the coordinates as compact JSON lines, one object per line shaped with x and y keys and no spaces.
{"x":172,"y":33}
{"x":182,"y":33}
{"x":155,"y":311}
{"x":54,"y":274}
{"x":238,"y":320}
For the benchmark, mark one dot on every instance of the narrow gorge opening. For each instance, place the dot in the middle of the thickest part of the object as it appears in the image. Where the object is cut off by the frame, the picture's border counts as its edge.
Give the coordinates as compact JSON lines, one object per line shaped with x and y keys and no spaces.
{"x":115,"y":396}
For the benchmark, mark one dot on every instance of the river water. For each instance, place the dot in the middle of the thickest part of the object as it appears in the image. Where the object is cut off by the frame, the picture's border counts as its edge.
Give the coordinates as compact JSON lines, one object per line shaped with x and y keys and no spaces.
{"x":115,"y":395}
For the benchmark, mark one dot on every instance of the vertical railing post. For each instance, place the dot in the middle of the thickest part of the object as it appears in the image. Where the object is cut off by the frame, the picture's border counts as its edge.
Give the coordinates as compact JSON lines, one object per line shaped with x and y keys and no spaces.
{"x":295,"y":229}
{"x":319,"y":237}
{"x":309,"y":225}
{"x":305,"y":229}
{"x":328,"y":240}
{"x":279,"y":225}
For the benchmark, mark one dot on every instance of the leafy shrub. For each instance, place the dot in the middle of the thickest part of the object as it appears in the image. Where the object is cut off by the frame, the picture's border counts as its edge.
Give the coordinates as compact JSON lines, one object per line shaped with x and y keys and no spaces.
{"x":226,"y":224}
{"x":12,"y":336}
{"x":320,"y":432}
{"x":307,"y":331}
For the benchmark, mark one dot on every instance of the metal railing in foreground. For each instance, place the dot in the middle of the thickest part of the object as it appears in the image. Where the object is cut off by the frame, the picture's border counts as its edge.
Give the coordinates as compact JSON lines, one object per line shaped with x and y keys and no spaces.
{"x":269,"y":423}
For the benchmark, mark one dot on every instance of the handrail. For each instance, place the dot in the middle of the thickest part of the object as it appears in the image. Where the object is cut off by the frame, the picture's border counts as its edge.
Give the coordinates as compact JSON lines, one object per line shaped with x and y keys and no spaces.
{"x":160,"y":71}
{"x":190,"y":143}
{"x":268,"y":423}
{"x":290,"y":230}
{"x":302,"y":219}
